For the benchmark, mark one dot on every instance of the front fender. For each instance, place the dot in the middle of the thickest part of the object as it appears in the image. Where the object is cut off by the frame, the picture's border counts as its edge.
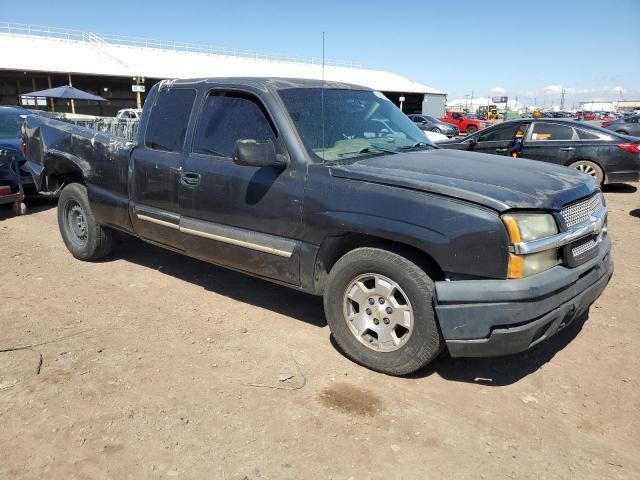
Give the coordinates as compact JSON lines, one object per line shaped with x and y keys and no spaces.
{"x":465,"y":240}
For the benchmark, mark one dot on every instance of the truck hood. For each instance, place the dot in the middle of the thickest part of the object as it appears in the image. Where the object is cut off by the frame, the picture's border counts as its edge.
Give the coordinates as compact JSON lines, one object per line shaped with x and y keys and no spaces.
{"x":498,"y":182}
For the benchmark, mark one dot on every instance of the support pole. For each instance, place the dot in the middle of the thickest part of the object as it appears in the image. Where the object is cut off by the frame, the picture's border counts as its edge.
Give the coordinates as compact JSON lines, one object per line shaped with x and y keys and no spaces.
{"x":33,"y":86}
{"x":138,"y":96}
{"x":53,"y":105}
{"x":73,"y":103}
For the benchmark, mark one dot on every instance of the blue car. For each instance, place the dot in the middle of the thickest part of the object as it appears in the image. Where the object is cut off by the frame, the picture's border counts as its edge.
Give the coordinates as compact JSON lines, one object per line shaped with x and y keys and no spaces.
{"x":11,"y":120}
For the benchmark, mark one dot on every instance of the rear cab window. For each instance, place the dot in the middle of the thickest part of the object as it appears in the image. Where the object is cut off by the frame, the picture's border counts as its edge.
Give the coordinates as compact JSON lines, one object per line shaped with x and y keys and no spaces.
{"x":228,"y":117}
{"x":169,"y":118}
{"x":543,"y":131}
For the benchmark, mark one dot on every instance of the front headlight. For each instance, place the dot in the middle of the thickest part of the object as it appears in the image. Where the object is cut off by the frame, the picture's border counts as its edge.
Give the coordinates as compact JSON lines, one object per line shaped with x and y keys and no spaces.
{"x":525,"y":227}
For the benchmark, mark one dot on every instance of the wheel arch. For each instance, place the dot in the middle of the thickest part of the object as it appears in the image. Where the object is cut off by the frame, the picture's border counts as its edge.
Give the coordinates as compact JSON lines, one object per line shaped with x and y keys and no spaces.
{"x":592,"y":160}
{"x":335,"y":247}
{"x":61,"y":168}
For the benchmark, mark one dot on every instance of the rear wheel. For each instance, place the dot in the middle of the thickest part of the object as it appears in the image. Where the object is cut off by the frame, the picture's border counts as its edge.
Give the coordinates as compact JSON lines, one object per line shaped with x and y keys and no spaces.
{"x":436,"y":130}
{"x":590,"y":168}
{"x":83,"y":236}
{"x":622,"y":132}
{"x":379,"y":307}
{"x":471,"y":130}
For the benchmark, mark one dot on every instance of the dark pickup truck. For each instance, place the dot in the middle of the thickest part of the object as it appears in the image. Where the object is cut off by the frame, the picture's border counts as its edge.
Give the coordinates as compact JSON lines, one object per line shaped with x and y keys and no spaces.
{"x":328,"y":188}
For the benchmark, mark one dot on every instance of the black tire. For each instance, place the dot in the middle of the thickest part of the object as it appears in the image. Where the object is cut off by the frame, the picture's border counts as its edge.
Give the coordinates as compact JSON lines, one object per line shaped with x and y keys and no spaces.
{"x":471,"y":130}
{"x":424,"y":342}
{"x":590,"y":168}
{"x":436,"y":130}
{"x":83,"y":236}
{"x":622,"y":132}
{"x":19,"y":208}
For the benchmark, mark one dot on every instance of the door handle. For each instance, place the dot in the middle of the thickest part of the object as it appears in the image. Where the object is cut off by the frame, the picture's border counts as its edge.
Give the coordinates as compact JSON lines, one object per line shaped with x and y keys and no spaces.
{"x":567,"y":149}
{"x":501,"y":150}
{"x":190,"y":179}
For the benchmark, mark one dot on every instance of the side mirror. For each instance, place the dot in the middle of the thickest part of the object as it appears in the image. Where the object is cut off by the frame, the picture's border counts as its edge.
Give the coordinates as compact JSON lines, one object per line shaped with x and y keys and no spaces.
{"x":250,"y":153}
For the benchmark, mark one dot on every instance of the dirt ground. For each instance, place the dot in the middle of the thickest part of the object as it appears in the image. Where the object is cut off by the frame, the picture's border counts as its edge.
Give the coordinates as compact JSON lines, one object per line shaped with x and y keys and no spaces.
{"x":155,"y":365}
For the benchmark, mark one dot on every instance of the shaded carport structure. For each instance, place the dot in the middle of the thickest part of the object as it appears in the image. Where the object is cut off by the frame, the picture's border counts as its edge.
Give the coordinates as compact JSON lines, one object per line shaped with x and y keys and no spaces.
{"x":36,"y":58}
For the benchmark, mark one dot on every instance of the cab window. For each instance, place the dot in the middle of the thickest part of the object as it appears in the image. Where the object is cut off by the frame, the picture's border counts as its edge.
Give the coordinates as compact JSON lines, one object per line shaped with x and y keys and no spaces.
{"x":169,"y":118}
{"x":229,"y":117}
{"x":501,"y":133}
{"x":551,"y":131}
{"x":586,"y":135}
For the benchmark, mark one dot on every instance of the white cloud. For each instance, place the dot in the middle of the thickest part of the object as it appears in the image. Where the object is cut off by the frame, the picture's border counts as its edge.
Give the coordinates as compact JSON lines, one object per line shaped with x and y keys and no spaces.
{"x":552,"y":89}
{"x":497,"y":90}
{"x":620,"y":89}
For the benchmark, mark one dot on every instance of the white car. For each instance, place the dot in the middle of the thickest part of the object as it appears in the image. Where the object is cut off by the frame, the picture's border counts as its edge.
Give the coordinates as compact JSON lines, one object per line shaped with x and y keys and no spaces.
{"x":129,"y":113}
{"x":435,"y":137}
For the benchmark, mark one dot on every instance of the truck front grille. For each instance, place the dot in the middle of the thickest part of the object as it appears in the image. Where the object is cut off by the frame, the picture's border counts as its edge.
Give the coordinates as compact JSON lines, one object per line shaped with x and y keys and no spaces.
{"x":581,"y":211}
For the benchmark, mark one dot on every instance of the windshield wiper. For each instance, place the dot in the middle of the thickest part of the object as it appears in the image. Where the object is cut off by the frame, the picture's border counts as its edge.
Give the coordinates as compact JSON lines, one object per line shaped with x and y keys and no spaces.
{"x":369,"y":150}
{"x":415,"y":145}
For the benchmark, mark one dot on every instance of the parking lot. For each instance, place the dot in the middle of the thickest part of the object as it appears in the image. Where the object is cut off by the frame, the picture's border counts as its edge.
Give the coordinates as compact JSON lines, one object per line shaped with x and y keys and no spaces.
{"x":153,"y":365}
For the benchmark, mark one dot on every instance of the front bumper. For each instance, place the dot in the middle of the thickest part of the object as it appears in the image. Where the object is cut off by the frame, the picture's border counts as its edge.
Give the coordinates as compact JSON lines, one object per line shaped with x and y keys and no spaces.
{"x":486,"y":318}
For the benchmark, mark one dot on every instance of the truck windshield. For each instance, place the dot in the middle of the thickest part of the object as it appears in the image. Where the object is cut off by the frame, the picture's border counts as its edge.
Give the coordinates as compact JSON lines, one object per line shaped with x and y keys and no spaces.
{"x":356,"y":123}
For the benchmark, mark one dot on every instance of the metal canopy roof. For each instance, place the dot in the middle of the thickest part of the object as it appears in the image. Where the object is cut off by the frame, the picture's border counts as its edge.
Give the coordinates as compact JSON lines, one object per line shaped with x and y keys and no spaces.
{"x":30,"y":48}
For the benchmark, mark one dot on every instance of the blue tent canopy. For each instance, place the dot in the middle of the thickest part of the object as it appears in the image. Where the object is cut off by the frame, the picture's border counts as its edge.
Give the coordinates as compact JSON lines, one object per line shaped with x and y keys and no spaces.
{"x":65,"y":92}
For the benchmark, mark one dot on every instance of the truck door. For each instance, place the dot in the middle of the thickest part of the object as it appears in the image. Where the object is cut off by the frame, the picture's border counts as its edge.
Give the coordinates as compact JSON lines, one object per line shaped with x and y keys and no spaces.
{"x":550,"y":142}
{"x":244,"y":217}
{"x":156,"y":167}
{"x":456,"y":119}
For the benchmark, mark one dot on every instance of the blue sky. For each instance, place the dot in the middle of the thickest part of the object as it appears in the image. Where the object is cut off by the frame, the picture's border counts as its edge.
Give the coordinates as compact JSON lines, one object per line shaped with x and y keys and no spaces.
{"x":530,"y":49}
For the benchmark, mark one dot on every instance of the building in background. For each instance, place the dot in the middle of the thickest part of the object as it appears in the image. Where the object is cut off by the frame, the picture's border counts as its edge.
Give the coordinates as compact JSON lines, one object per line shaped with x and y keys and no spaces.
{"x":113,"y":66}
{"x":472,"y":104}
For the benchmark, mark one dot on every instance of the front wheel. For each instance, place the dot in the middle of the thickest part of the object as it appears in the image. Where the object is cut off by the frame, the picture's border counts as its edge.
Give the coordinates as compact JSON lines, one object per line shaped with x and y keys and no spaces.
{"x":590,"y":168}
{"x":379,"y":308}
{"x":622,"y":132}
{"x":83,"y":236}
{"x":435,"y":130}
{"x":471,"y":130}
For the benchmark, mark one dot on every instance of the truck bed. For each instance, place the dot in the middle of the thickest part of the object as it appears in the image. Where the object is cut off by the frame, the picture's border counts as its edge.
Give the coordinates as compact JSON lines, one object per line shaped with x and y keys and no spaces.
{"x":69,"y":151}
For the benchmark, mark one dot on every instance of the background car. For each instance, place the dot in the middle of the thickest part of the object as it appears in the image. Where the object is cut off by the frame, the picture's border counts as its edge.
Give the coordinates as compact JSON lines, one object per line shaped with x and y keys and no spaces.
{"x":435,"y":137}
{"x":607,"y":156}
{"x":627,"y":125}
{"x":432,"y":124}
{"x":586,"y":115}
{"x":130,"y":113}
{"x":11,"y":120}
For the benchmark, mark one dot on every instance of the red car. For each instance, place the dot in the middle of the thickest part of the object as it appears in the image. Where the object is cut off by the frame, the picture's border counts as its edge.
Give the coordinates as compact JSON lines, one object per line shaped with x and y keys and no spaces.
{"x":586,"y":115}
{"x":466,"y":125}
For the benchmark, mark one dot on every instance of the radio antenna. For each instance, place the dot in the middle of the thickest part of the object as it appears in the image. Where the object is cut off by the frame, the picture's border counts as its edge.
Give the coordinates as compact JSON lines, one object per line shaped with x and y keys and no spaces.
{"x":322,"y":96}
